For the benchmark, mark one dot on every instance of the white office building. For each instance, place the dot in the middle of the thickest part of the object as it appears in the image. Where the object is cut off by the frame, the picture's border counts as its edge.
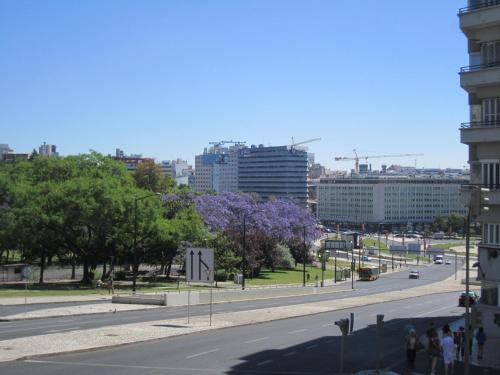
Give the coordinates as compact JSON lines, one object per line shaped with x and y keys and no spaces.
{"x":387,"y":200}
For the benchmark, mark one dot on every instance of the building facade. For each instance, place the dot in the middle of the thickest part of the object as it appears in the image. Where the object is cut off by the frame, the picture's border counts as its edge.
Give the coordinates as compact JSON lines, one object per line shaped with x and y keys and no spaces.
{"x":480,"y":22}
{"x":385,"y":200}
{"x":47,"y":150}
{"x":279,"y":172}
{"x":217,"y":170}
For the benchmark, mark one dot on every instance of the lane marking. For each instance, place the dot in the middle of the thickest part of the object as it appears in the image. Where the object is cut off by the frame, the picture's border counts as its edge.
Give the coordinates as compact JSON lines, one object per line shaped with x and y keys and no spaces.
{"x":311,"y":347}
{"x":289,"y":354}
{"x":264,"y":362}
{"x":203,"y":353}
{"x":297,"y":331}
{"x":108,"y":365}
{"x":328,"y":325}
{"x":255,"y":340}
{"x":61,"y":330}
{"x":433,"y":311}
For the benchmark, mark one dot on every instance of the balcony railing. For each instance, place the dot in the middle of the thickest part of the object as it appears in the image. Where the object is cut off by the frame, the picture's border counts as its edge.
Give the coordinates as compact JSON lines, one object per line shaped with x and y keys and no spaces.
{"x":473,"y":68}
{"x":484,"y":4}
{"x":480,"y":124}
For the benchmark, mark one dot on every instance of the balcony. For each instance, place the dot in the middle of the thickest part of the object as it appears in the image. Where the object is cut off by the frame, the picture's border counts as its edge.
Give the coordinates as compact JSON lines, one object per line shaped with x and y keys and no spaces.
{"x":480,"y":132}
{"x":475,"y":77}
{"x":489,"y":263}
{"x":478,"y":17}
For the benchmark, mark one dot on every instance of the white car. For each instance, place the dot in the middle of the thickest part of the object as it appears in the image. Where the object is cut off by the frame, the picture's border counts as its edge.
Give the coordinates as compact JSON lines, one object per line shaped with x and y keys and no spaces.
{"x":447,"y":261}
{"x":438,"y":261}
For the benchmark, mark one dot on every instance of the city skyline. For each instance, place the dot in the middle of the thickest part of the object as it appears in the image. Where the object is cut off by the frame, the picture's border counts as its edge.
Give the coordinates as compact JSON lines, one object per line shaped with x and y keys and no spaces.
{"x":170,"y":77}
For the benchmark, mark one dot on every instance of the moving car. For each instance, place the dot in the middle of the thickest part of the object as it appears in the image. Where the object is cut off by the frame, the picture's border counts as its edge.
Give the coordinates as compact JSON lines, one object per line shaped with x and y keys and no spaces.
{"x":473,"y":298}
{"x":438,"y":259}
{"x":447,"y":261}
{"x":414,"y":275}
{"x":366,"y":258}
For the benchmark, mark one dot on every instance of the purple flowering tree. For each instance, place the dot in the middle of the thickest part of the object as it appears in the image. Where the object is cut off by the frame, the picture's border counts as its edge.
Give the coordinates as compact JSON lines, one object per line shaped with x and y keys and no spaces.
{"x":266,"y":225}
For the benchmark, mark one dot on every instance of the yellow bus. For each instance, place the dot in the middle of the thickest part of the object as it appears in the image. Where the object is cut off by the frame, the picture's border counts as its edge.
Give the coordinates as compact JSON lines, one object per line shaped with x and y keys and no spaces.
{"x":368,"y":273}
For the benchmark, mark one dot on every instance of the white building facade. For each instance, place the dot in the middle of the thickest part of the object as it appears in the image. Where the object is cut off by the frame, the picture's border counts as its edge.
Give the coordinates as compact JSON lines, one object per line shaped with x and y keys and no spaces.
{"x":376,"y":200}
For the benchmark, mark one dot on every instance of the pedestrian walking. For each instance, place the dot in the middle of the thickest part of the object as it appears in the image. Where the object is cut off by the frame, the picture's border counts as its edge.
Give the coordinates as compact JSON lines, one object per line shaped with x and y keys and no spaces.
{"x":460,"y":343}
{"x":448,"y":349}
{"x":481,"y":339}
{"x":411,"y":348}
{"x":434,"y":350}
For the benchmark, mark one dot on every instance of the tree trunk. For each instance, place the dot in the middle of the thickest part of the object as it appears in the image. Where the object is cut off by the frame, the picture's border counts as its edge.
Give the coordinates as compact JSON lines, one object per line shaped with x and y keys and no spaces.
{"x":86,"y":274}
{"x":73,"y":268}
{"x":42,"y":267}
{"x":169,"y":268}
{"x":104,"y":276}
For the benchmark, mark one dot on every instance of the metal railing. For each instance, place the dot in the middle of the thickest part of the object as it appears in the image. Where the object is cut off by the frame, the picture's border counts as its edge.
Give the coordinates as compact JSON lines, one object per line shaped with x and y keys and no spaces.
{"x":480,"y":124}
{"x":484,"y":4}
{"x":474,"y":68}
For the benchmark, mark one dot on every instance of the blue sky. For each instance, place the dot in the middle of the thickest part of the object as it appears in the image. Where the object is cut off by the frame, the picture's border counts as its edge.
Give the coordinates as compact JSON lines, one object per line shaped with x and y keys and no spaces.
{"x":163,"y":78}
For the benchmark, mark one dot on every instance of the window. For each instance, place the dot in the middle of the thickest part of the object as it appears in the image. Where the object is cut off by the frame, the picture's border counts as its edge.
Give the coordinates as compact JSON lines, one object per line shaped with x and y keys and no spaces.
{"x":491,"y":110}
{"x":491,"y":234}
{"x":490,"y":53}
{"x":490,"y":175}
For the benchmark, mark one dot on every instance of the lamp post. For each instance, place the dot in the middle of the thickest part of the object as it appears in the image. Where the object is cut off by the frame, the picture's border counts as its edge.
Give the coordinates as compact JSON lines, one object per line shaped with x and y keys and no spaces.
{"x":378,"y":236}
{"x":134,"y":266}
{"x":305,"y":257}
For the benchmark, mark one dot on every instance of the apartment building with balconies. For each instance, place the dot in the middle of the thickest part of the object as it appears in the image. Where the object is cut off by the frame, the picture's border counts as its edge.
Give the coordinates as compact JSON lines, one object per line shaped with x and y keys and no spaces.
{"x":480,"y":22}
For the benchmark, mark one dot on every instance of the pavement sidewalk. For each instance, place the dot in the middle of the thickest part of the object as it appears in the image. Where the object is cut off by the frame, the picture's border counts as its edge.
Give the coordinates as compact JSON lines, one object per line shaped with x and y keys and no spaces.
{"x":10,"y":301}
{"x":83,"y":340}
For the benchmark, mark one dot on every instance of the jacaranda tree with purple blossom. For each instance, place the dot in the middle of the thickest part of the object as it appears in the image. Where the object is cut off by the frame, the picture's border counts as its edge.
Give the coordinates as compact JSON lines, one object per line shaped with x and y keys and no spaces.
{"x":267,"y":224}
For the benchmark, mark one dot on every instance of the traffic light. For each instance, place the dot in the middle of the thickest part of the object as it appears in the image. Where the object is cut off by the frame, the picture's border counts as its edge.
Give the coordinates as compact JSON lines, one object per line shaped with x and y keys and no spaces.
{"x":343,"y":324}
{"x":380,"y":320}
{"x":496,"y":319}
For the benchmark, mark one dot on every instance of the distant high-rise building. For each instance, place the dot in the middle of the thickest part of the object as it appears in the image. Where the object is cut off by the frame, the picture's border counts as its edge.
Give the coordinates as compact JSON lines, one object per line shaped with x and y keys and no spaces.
{"x":480,"y":22}
{"x":181,"y":168}
{"x":279,"y":172}
{"x":167,"y":168}
{"x":47,"y":150}
{"x":217,"y":169}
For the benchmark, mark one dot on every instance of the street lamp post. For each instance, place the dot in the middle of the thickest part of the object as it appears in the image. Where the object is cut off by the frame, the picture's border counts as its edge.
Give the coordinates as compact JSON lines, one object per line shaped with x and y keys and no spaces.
{"x":134,"y":266}
{"x":378,"y":237}
{"x":305,"y":257}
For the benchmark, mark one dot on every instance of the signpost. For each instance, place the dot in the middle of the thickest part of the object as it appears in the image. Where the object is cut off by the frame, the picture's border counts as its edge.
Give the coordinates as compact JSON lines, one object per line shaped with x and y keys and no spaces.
{"x":200,"y":269}
{"x":26,"y":274}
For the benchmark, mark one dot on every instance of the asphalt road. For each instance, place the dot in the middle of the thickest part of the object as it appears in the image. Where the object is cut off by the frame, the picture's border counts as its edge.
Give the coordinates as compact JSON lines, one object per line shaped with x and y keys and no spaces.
{"x":305,"y":345}
{"x":390,"y":282}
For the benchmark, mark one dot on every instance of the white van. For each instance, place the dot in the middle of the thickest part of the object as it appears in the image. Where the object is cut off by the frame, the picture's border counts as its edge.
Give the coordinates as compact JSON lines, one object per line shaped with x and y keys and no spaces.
{"x":438,"y":259}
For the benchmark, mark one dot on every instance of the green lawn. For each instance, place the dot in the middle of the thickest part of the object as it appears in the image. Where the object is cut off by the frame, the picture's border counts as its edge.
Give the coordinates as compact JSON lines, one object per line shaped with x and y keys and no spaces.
{"x":280,"y":276}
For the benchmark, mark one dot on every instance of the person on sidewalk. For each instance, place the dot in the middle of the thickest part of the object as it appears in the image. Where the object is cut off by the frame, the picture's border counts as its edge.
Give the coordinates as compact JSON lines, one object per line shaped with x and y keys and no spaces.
{"x":411,"y":348}
{"x":481,"y":339}
{"x":434,"y":350}
{"x":448,"y":348}
{"x":459,"y":342}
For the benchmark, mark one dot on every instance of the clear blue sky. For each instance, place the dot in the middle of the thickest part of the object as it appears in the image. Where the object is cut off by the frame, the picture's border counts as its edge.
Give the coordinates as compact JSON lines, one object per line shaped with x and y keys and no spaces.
{"x":165,"y":77}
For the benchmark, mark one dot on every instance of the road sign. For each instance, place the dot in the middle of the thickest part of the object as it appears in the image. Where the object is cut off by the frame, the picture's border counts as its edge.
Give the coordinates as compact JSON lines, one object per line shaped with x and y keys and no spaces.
{"x":26,"y":273}
{"x":199,"y":265}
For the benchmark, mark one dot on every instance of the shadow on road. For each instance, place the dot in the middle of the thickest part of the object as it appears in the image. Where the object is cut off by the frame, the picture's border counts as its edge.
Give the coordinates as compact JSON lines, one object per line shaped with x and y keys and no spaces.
{"x":322,"y":355}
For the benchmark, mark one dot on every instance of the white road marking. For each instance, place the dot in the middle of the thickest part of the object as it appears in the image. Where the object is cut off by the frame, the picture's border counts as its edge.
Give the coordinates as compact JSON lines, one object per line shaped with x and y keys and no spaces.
{"x":203,"y":353}
{"x":289,"y":354}
{"x":255,"y":340}
{"x":311,"y":347}
{"x":61,"y":330}
{"x":328,"y":325}
{"x":106,"y":365}
{"x":264,"y":362}
{"x":297,"y":331}
{"x":433,"y":311}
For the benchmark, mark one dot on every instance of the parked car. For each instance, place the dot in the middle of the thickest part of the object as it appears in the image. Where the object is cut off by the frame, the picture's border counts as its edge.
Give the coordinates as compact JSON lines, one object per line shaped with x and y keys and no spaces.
{"x":414,"y":275}
{"x":438,"y":261}
{"x":366,"y":258}
{"x":473,"y":298}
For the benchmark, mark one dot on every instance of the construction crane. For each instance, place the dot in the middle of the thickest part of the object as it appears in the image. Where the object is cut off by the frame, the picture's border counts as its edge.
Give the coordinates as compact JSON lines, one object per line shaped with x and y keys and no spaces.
{"x":293,"y":144}
{"x":356,"y":158}
{"x":220,"y":143}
